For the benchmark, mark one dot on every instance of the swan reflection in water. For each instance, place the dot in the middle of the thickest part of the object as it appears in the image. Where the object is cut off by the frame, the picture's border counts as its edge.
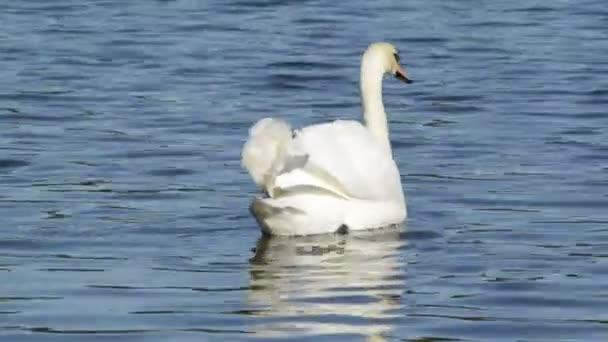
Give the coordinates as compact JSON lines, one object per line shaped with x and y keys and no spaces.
{"x":330,"y":284}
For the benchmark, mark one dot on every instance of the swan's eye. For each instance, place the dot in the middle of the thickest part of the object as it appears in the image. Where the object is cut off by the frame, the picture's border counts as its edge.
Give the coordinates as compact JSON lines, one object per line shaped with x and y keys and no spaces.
{"x":396,"y":57}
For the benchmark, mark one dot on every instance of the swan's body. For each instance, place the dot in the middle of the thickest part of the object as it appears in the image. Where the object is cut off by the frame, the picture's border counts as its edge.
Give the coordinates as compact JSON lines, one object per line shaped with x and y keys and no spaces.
{"x":333,"y":176}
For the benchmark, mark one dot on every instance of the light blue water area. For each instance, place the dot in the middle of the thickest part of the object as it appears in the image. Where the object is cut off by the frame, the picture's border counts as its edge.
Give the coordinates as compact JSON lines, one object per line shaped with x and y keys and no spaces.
{"x":124,"y":210}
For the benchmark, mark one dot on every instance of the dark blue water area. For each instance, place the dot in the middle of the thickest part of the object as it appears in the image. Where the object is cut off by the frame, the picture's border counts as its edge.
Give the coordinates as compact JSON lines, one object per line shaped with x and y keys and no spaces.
{"x":124,"y":208}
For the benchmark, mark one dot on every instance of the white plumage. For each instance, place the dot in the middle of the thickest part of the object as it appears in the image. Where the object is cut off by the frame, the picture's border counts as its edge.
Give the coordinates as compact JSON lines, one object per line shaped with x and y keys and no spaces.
{"x":333,"y":176}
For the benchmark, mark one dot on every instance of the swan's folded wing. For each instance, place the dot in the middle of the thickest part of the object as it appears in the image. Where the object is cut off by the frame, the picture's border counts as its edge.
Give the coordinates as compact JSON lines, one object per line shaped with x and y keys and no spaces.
{"x":308,"y":177}
{"x":341,"y":158}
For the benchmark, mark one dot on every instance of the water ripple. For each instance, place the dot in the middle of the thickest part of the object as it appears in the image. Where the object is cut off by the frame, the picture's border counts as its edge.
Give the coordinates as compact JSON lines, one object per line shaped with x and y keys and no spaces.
{"x":125,"y":209}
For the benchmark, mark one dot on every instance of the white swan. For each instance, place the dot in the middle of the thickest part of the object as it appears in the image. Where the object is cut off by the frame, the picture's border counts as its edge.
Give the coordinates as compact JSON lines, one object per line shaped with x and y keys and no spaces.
{"x":330,"y":177}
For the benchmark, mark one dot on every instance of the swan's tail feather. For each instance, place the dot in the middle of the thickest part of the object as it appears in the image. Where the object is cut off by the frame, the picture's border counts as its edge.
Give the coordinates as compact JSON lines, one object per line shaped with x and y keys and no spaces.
{"x":264,"y":150}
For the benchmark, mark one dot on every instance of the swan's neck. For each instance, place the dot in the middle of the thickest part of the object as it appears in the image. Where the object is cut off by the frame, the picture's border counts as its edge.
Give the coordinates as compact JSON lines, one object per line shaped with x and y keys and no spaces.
{"x":371,"y":98}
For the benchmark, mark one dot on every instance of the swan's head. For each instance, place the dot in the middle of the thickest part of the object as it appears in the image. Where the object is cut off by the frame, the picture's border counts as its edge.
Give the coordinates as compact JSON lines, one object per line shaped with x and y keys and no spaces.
{"x":385,"y":56}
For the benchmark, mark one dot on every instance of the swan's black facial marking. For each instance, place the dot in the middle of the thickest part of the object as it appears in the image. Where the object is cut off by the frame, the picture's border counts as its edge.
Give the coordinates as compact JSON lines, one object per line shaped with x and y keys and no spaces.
{"x":402,"y":78}
{"x":399,"y":73}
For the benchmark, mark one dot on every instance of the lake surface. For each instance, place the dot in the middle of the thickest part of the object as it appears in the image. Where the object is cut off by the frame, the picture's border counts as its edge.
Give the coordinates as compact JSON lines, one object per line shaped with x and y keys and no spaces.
{"x":124,"y":210}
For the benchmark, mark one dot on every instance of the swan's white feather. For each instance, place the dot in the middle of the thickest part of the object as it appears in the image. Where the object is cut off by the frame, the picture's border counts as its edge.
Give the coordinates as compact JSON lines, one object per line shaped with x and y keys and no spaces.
{"x":348,"y":160}
{"x":263,"y":153}
{"x":327,"y":176}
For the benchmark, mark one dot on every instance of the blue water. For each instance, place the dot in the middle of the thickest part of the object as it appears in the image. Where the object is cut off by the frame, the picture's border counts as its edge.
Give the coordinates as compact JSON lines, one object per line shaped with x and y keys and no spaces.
{"x":124,"y":210}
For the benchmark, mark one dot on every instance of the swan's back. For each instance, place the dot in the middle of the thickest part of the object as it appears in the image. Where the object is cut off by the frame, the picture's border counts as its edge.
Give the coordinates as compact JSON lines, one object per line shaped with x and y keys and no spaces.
{"x":351,"y":155}
{"x":322,"y":178}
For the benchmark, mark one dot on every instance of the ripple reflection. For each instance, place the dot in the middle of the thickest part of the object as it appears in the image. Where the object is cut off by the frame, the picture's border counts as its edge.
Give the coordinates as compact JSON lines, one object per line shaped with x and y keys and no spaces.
{"x":328,"y":285}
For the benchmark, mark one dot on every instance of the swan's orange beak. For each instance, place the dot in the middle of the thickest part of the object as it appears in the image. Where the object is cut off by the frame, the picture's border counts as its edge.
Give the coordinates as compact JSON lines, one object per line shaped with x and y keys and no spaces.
{"x":400,"y":75}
